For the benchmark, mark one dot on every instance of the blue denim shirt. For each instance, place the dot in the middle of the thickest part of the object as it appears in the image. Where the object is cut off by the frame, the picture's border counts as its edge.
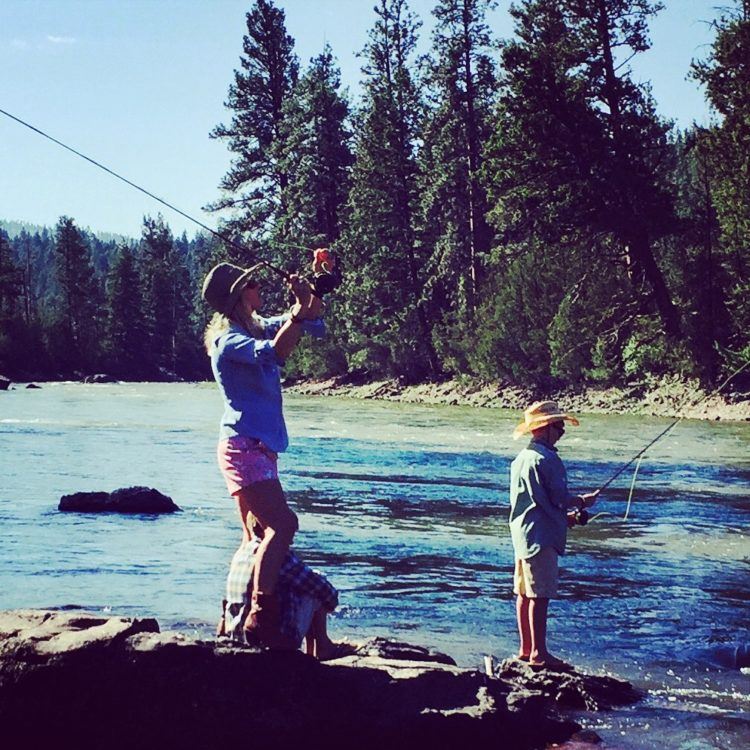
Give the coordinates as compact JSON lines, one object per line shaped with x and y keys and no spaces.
{"x":539,"y":500}
{"x":248,"y":374}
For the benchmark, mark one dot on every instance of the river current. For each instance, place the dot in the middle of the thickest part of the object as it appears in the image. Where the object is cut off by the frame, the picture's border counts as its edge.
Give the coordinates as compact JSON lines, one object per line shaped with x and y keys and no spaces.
{"x":404,"y":507}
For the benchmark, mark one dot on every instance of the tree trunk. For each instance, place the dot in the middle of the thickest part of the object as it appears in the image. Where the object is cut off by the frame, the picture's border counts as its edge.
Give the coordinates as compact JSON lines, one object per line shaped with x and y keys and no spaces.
{"x":636,"y":237}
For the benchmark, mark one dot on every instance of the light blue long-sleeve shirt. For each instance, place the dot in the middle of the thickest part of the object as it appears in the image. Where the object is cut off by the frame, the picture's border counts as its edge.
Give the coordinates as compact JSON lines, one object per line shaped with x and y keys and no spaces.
{"x":248,"y":374}
{"x":539,"y":500}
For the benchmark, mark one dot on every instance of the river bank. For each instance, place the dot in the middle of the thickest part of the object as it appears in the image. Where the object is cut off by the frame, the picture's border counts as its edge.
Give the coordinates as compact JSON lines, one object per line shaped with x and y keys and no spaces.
{"x":664,"y":397}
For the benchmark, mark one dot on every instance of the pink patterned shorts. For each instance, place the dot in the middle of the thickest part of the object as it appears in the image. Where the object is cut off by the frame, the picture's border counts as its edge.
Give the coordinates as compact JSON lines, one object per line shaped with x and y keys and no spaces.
{"x":245,"y":461}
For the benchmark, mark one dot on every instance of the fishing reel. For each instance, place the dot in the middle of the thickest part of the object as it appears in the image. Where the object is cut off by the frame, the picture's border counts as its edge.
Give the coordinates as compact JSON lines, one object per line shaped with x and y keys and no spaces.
{"x":578,"y":517}
{"x":326,"y":276}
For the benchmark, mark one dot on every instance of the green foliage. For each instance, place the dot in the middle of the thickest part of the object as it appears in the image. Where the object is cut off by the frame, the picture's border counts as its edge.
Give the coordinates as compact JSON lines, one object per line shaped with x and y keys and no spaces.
{"x":387,"y":326}
{"x":261,"y":88}
{"x":460,"y":81}
{"x":523,"y":216}
{"x":75,"y":318}
{"x":726,"y":150}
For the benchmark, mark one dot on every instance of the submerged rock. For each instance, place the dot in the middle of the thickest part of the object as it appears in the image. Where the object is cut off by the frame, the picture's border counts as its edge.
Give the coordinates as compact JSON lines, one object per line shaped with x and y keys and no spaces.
{"x":566,"y":688}
{"x":87,"y":681}
{"x":125,"y":500}
{"x":33,"y":386}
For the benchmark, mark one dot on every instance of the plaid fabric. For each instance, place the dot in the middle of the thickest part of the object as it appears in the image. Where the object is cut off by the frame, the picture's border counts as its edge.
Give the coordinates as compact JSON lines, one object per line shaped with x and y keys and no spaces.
{"x":297,"y":583}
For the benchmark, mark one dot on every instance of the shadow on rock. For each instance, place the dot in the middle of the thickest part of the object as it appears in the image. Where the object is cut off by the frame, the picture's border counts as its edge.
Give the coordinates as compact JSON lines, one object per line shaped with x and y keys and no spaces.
{"x":81,"y":680}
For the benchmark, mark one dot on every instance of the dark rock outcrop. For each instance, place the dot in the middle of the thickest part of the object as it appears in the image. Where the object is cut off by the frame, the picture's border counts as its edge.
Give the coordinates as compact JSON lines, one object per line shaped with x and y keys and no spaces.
{"x":125,"y":500}
{"x":5,"y":383}
{"x":33,"y":386}
{"x":100,"y":377}
{"x":80,"y":680}
{"x":568,"y":688}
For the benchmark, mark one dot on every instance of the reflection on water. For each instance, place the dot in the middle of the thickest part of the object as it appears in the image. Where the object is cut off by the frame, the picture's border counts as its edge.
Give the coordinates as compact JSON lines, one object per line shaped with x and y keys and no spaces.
{"x":405,"y":508}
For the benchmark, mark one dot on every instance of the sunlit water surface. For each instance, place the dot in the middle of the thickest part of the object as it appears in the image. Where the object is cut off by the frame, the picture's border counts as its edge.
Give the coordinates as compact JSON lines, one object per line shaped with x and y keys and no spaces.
{"x":404,"y":507}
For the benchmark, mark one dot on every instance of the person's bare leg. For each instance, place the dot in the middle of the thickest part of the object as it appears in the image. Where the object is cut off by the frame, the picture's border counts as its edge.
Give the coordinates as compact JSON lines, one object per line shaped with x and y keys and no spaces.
{"x":266,"y":502}
{"x":324,"y":646}
{"x":538,"y":610}
{"x":310,"y":641}
{"x":524,"y":627}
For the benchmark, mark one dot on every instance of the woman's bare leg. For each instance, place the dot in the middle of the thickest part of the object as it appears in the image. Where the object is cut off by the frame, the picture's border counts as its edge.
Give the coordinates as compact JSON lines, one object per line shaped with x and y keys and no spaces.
{"x":265,"y":502}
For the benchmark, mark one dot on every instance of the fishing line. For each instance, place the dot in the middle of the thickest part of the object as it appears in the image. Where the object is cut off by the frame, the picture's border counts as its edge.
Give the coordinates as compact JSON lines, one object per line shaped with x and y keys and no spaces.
{"x":639,"y":456}
{"x":171,"y":206}
{"x":632,"y":488}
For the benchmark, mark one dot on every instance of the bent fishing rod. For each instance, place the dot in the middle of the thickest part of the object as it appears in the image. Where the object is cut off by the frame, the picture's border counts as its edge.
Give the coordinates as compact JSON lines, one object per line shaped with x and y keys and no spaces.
{"x":641,"y":452}
{"x":323,"y":283}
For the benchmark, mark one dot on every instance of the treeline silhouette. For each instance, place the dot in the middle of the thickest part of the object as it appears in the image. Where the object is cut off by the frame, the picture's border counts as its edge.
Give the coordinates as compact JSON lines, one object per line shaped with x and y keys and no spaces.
{"x":512,"y":211}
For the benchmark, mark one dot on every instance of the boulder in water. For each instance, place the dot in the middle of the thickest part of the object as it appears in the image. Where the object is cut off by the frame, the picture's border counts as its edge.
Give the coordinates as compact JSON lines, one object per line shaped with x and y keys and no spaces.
{"x":125,"y":500}
{"x":5,"y":383}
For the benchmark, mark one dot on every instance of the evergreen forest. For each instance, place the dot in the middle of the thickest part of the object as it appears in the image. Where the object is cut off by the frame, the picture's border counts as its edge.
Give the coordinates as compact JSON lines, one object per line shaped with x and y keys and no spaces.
{"x":512,"y":209}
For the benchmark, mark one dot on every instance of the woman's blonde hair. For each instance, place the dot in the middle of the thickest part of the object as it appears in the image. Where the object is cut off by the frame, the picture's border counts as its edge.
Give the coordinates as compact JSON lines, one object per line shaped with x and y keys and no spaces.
{"x":219,"y":325}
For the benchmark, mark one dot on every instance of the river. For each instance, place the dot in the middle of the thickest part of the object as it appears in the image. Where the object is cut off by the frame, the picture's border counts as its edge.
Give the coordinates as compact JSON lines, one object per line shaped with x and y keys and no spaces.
{"x":404,"y":507}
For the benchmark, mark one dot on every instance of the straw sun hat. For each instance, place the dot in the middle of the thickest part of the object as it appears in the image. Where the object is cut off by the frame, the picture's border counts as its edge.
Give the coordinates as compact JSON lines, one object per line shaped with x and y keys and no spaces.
{"x":539,"y":415}
{"x":224,"y":283}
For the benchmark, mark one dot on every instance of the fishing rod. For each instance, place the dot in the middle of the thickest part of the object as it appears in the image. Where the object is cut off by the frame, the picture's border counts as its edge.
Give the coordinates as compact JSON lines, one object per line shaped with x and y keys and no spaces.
{"x":670,"y":427}
{"x":323,"y":281}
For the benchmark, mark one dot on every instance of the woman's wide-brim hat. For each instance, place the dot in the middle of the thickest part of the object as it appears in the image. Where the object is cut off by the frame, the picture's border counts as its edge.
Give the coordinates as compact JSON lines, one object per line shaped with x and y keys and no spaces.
{"x":224,"y":283}
{"x":541,"y":414}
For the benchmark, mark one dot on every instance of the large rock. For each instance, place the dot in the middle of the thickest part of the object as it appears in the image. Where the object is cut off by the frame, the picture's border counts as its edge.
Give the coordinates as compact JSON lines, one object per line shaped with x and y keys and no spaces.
{"x":566,"y":688}
{"x":125,"y":500}
{"x":78,"y":680}
{"x":5,"y":383}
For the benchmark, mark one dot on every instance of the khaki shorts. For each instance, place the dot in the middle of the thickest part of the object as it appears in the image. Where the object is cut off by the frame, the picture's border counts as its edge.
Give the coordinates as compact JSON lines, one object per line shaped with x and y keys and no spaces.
{"x":536,"y":578}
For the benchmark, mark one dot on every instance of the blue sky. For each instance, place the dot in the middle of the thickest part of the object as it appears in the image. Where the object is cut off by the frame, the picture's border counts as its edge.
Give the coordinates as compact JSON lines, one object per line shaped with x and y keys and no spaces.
{"x":138,"y":85}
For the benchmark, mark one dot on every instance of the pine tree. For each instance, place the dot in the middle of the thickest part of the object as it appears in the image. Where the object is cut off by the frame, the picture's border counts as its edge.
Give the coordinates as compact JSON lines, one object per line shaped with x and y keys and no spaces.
{"x":160,"y":300}
{"x":253,"y":186}
{"x":575,"y":169}
{"x":126,"y":344}
{"x":726,"y":149}
{"x":10,"y":294}
{"x":460,"y":80}
{"x":388,"y":327}
{"x":317,"y":156}
{"x":77,"y":317}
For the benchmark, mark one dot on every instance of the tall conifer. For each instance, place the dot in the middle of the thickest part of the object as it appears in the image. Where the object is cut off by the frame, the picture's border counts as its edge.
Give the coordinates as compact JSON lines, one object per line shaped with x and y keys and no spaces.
{"x":77,"y":312}
{"x":726,"y":147}
{"x":253,"y":186}
{"x":460,"y":81}
{"x":575,"y":169}
{"x":389,"y":330}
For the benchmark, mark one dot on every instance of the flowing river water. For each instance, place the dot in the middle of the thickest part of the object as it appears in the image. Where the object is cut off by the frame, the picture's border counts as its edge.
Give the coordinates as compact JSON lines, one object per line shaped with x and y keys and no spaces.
{"x":404,"y":507}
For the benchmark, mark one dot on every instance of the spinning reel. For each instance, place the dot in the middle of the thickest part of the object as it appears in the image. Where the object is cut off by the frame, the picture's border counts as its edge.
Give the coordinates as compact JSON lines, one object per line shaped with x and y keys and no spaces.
{"x":578,"y":517}
{"x":326,"y":276}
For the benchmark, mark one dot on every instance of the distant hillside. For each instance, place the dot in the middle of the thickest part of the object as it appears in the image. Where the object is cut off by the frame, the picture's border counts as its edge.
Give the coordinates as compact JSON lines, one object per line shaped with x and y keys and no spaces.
{"x":14,"y":228}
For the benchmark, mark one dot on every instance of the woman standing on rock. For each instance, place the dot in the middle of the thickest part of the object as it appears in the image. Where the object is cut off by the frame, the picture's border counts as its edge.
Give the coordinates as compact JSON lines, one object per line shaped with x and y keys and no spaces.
{"x":246,"y":353}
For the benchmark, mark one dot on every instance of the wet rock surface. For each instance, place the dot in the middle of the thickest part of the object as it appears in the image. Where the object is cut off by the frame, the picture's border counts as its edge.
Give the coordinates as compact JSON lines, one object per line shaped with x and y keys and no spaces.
{"x":566,"y":688}
{"x":79,"y":679}
{"x":125,"y":500}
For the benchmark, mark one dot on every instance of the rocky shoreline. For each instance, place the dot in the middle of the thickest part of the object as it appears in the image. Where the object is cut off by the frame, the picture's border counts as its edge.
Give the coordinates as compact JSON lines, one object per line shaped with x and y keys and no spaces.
{"x":669,"y":396}
{"x":78,"y":679}
{"x":665,"y":397}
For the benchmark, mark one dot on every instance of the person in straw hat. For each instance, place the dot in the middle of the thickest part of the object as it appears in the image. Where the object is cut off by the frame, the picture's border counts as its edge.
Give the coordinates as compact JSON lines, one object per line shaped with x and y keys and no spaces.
{"x":540,"y":512}
{"x":246,"y":353}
